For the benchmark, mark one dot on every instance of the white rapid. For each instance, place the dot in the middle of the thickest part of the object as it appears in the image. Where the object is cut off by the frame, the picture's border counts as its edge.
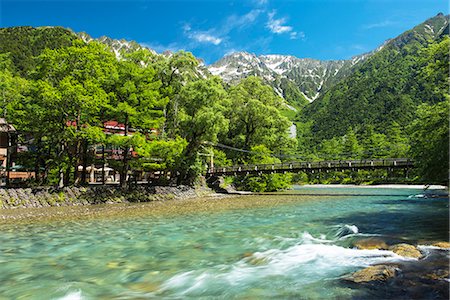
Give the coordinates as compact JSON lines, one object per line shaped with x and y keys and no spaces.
{"x":310,"y":260}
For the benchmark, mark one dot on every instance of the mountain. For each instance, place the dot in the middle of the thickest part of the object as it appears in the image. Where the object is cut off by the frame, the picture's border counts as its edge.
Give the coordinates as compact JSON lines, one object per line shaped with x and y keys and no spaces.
{"x":387,"y":87}
{"x":25,"y":42}
{"x":298,"y":80}
{"x":116,"y":45}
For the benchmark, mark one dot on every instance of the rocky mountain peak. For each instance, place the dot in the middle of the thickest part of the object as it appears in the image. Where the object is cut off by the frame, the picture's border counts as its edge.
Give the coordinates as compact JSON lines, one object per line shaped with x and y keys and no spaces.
{"x":311,"y":76}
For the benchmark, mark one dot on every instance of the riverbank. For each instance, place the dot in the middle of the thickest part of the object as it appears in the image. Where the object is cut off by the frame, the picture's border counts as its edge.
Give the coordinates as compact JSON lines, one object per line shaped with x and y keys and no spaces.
{"x":94,"y":195}
{"x":80,"y":196}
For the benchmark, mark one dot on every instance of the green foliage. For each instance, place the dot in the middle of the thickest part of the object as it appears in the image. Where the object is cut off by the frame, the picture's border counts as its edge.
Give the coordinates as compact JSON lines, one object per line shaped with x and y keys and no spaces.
{"x":220,"y":158}
{"x":292,"y":93}
{"x":200,"y":113}
{"x":258,"y":120}
{"x":430,"y":141}
{"x":25,"y":43}
{"x":372,"y":112}
{"x":60,"y":90}
{"x":12,"y":87}
{"x":264,"y":182}
{"x":386,"y":88}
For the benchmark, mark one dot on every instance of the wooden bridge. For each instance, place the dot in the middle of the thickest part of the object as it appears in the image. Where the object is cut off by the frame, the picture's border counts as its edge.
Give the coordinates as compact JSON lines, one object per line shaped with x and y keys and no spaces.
{"x":314,"y":166}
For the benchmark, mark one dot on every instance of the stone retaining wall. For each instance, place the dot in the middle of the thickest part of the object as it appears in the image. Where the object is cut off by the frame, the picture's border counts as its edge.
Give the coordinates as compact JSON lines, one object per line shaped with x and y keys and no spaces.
{"x":70,"y":196}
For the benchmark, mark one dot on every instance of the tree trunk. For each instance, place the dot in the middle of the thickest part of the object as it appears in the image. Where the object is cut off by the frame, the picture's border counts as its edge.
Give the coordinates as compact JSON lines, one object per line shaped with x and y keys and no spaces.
{"x":84,"y":162}
{"x":61,"y":171}
{"x":77,"y":162}
{"x":126,"y":149}
{"x":8,"y":159}
{"x":67,"y":171}
{"x":103,"y":164}
{"x":37,"y":162}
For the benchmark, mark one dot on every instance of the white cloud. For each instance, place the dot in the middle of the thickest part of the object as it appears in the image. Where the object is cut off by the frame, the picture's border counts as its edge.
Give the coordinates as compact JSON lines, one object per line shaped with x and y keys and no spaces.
{"x":358,"y":47}
{"x":382,"y":24}
{"x":277,"y":25}
{"x":294,"y":35}
{"x":201,"y":36}
{"x":261,"y":2}
{"x":235,"y":21}
{"x":218,"y":35}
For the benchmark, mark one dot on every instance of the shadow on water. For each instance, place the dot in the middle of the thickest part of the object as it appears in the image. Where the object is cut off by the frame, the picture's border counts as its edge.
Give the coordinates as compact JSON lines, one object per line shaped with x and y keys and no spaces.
{"x":423,"y":279}
{"x":328,"y":195}
{"x":414,"y":220}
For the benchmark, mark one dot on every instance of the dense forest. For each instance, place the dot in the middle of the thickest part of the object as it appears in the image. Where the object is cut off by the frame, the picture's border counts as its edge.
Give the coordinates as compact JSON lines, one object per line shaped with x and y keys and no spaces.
{"x":59,"y":91}
{"x":380,"y":110}
{"x":61,"y":94}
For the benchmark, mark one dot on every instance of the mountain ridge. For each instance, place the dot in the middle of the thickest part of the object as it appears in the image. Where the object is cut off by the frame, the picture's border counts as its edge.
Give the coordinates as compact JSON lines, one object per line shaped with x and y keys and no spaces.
{"x":388,"y":86}
{"x":310,"y":76}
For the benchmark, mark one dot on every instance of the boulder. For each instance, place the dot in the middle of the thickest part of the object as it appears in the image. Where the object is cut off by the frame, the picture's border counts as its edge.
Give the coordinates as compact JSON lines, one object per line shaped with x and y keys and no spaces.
{"x":441,"y":244}
{"x":373,"y":273}
{"x":406,"y":250}
{"x":371,"y":244}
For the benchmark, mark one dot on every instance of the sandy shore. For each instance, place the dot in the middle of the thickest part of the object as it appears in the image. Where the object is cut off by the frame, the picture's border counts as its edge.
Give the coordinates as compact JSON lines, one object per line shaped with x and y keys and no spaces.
{"x":384,"y":186}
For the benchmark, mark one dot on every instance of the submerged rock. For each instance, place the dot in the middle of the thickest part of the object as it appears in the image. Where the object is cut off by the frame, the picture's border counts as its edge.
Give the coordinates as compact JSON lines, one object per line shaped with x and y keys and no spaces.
{"x":258,"y":261}
{"x":373,"y":273}
{"x":371,"y":244}
{"x":439,"y":274}
{"x":406,"y":250}
{"x":144,"y":287}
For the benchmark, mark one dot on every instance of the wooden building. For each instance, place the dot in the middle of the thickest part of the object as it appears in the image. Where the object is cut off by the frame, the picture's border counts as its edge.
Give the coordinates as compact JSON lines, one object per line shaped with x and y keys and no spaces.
{"x":7,"y":142}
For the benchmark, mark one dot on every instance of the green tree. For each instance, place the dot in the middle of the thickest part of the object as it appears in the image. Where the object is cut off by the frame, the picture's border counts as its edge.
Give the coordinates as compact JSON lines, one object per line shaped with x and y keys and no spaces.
{"x":375,"y":145}
{"x":12,"y":87}
{"x":255,"y":118}
{"x":430,"y":141}
{"x":137,"y":103}
{"x":201,"y":118}
{"x":398,"y":141}
{"x":174,"y":71}
{"x":260,"y":154}
{"x":68,"y":94}
{"x":332,"y":149}
{"x":351,"y":147}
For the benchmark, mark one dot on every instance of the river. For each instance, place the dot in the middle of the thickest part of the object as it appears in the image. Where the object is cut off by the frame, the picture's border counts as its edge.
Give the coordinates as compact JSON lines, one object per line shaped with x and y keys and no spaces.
{"x":296,"y":244}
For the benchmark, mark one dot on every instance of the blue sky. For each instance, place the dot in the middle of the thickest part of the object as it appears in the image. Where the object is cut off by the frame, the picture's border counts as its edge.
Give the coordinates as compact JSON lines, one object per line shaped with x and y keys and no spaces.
{"x":321,"y":29}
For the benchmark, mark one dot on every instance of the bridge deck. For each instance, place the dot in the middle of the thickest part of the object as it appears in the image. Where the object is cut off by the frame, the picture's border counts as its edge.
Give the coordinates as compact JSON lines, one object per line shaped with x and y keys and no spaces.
{"x":338,"y":165}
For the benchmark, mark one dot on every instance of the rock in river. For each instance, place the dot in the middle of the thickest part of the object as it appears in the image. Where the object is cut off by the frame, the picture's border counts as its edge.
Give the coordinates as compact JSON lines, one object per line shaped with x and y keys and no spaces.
{"x":442,"y":245}
{"x":406,"y":250}
{"x":371,"y":244}
{"x":373,"y":273}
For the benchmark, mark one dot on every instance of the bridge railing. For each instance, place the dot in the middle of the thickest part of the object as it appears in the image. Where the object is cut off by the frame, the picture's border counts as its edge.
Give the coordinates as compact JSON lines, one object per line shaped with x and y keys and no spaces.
{"x":311,"y":165}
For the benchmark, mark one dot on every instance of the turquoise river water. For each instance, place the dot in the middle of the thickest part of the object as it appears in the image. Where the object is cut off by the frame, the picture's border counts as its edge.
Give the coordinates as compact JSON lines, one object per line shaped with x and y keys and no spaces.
{"x":299,"y":246}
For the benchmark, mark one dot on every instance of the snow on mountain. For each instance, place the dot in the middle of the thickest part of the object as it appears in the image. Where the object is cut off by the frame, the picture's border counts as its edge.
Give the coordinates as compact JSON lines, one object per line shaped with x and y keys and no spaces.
{"x":117,"y":46}
{"x":311,"y":76}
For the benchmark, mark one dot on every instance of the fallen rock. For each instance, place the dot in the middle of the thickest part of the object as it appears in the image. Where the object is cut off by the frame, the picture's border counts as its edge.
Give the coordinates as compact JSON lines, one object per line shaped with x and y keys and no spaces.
{"x":441,"y":244}
{"x":406,"y":250}
{"x":373,"y":273}
{"x":371,"y":244}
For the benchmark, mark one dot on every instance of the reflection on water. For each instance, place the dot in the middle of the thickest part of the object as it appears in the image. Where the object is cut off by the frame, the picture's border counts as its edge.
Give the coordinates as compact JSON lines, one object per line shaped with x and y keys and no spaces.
{"x":243,"y":247}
